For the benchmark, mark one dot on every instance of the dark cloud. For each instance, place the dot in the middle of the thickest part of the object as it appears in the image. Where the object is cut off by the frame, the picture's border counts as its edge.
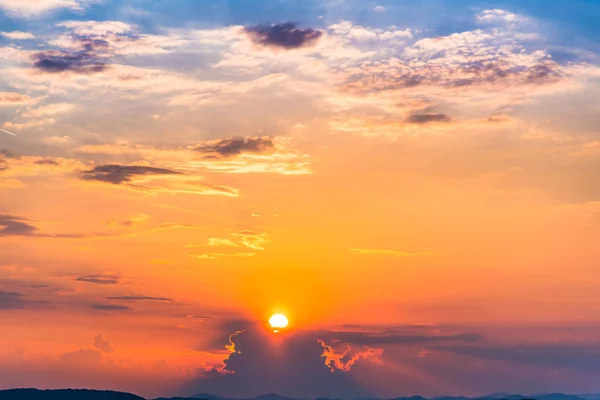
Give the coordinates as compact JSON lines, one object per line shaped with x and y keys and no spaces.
{"x":98,"y":279}
{"x":109,"y":307}
{"x":233,"y":146}
{"x":138,"y":298}
{"x":11,"y":225}
{"x":117,"y":174}
{"x":61,"y":61}
{"x":11,"y":300}
{"x":262,"y":363}
{"x":425,"y":118}
{"x":47,"y":161}
{"x":286,"y":36}
{"x":102,"y":344}
{"x":5,"y":155}
{"x":17,"y":301}
{"x":569,"y":355}
{"x":382,"y":338}
{"x":89,"y":56}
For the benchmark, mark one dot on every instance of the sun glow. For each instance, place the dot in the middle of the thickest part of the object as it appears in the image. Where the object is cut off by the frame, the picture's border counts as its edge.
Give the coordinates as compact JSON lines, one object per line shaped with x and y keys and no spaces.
{"x":278,"y":321}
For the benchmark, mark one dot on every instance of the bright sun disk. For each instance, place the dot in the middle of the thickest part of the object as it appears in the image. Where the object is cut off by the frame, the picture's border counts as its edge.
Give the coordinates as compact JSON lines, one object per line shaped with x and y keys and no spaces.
{"x":278,"y":321}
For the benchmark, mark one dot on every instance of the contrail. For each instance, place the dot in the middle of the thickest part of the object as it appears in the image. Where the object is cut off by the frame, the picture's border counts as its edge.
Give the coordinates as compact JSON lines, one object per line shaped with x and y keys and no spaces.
{"x":5,"y":131}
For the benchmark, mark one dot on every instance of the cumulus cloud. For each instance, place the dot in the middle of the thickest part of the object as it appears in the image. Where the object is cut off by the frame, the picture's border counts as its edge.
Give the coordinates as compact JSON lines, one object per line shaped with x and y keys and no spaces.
{"x":102,"y":344}
{"x":344,"y":360}
{"x":260,"y":363}
{"x":283,"y":36}
{"x":499,"y":15}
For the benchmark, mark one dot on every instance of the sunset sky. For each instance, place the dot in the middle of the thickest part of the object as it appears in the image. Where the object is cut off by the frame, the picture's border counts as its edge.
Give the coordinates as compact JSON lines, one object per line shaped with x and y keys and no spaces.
{"x":414,"y":184}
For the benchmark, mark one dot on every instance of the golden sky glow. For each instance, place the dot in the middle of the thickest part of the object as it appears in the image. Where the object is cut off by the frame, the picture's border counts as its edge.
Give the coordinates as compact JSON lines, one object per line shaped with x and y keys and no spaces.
{"x":411,"y":196}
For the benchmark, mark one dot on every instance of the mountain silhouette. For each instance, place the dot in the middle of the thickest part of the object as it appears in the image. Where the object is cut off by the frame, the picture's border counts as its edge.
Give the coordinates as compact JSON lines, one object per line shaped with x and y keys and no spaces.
{"x":84,"y":394}
{"x":65,"y":394}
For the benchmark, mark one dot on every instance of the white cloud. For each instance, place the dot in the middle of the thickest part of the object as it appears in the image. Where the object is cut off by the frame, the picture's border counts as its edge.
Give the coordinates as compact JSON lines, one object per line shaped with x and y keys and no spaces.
{"x":18,"y":35}
{"x":379,"y":8}
{"x":498,"y":15}
{"x":30,"y":8}
{"x":96,"y":28}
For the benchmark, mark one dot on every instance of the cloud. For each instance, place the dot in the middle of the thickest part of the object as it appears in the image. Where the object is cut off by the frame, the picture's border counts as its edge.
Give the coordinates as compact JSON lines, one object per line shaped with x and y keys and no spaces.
{"x":48,"y":110}
{"x":217,"y":242}
{"x":109,"y":307}
{"x":46,"y":161}
{"x":17,"y":301}
{"x":138,"y":298}
{"x":96,"y":28}
{"x":18,"y":35}
{"x":285,"y":36}
{"x":82,"y":357}
{"x":139,"y":219}
{"x":383,"y":252}
{"x":218,"y":256}
{"x":30,"y":8}
{"x":98,"y":279}
{"x":425,"y":118}
{"x":102,"y":344}
{"x":83,"y":62}
{"x":198,"y":317}
{"x":260,"y":363}
{"x":222,"y":148}
{"x":147,"y":179}
{"x":580,"y":356}
{"x":12,"y":98}
{"x":379,"y":9}
{"x":345,"y":360}
{"x":399,"y":335}
{"x":118,"y":174}
{"x":498,"y":15}
{"x":252,"y":239}
{"x":11,"y":225}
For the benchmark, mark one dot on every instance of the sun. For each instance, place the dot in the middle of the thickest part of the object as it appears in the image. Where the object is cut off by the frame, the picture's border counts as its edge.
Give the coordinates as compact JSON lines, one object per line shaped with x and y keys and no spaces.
{"x":278,"y":321}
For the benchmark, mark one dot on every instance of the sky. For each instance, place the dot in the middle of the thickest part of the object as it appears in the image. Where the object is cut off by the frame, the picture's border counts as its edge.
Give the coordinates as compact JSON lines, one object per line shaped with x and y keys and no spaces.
{"x":413,"y":184}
